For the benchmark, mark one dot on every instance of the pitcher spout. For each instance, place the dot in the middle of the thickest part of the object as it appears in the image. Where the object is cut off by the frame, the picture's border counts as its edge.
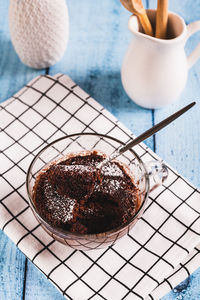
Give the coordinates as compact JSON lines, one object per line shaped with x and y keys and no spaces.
{"x":176,"y":28}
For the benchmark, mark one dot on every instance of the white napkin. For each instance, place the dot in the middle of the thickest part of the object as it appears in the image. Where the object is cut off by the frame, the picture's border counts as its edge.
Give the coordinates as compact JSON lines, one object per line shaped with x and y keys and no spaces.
{"x":161,"y":250}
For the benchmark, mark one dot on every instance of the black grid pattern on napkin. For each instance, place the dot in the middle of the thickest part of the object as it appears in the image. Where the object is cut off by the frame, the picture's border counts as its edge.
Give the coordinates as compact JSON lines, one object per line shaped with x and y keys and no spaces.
{"x":44,"y":110}
{"x":181,"y":272}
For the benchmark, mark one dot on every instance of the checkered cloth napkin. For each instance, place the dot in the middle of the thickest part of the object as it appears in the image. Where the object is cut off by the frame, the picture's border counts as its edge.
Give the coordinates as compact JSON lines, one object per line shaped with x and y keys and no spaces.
{"x":161,"y":250}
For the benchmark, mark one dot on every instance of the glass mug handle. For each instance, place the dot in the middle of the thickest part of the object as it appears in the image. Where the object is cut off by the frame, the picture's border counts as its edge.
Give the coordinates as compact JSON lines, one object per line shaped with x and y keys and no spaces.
{"x":157,"y":172}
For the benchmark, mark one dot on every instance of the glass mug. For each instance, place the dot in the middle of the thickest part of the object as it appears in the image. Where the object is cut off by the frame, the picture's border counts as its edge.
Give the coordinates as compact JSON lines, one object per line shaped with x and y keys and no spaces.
{"x":147,"y":176}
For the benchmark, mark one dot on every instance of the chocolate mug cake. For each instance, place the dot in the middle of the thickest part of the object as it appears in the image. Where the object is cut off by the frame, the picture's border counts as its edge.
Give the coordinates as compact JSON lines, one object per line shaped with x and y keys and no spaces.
{"x":71,"y":195}
{"x":84,"y":208}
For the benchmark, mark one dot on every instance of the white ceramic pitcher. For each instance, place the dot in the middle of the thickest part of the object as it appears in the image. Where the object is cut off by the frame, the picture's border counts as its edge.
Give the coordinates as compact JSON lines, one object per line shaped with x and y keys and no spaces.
{"x":154,"y":71}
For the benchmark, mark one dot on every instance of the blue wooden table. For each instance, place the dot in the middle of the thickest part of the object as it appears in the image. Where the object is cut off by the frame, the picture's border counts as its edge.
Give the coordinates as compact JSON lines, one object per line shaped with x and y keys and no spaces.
{"x":98,"y":40}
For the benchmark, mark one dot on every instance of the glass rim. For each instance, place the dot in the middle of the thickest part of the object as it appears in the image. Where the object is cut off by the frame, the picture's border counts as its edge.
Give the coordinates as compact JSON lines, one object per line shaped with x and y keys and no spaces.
{"x":86,"y":235}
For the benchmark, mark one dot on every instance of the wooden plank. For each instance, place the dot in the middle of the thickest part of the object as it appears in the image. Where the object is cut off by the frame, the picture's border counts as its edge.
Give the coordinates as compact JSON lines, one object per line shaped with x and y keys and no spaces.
{"x":13,"y":76}
{"x":179,"y":143}
{"x":11,"y":270}
{"x":98,"y":41}
{"x":38,"y":286}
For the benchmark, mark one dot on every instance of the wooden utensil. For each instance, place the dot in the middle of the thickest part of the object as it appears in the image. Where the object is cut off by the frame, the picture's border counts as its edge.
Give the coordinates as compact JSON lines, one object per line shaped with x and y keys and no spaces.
{"x":161,"y":19}
{"x":137,"y":8}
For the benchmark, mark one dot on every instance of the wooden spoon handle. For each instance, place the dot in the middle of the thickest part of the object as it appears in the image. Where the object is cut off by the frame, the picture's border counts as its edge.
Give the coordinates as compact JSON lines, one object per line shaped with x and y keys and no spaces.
{"x":146,"y":25}
{"x":161,"y":19}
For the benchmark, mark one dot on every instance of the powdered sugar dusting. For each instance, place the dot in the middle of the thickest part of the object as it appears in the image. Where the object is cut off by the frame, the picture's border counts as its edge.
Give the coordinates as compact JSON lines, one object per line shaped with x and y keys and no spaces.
{"x":79,"y":168}
{"x":112,"y":169}
{"x":60,"y":207}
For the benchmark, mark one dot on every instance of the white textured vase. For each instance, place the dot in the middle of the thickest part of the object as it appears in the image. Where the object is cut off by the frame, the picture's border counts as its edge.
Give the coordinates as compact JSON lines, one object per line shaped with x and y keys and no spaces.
{"x":39,"y":31}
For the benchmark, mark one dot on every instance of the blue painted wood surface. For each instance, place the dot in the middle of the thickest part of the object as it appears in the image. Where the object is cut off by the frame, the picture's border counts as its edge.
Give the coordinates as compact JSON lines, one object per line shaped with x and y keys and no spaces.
{"x":98,"y":40}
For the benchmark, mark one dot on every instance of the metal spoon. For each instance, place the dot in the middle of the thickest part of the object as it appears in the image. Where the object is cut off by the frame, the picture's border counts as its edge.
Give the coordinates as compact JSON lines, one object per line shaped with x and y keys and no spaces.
{"x":146,"y":134}
{"x":136,"y":7}
{"x":63,"y":178}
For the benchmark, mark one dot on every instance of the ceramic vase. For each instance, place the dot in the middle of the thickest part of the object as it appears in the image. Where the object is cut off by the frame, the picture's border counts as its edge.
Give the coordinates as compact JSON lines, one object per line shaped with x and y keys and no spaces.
{"x":39,"y":31}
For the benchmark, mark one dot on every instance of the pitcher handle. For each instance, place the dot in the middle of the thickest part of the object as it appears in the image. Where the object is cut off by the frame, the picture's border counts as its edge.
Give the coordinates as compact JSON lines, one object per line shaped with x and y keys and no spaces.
{"x":195,"y":55}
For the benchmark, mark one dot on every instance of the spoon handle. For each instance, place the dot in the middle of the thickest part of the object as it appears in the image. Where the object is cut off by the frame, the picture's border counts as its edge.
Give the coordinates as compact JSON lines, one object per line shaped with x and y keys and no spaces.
{"x":161,"y":19}
{"x":146,"y":25}
{"x":155,"y":128}
{"x":139,"y":10}
{"x":145,"y":135}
